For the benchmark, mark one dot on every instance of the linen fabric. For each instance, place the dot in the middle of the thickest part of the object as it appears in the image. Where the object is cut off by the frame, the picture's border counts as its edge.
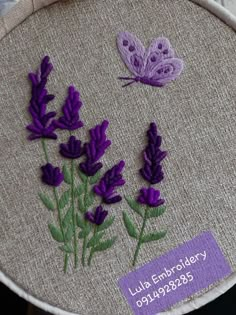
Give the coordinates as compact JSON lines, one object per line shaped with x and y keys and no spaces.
{"x":195,"y":115}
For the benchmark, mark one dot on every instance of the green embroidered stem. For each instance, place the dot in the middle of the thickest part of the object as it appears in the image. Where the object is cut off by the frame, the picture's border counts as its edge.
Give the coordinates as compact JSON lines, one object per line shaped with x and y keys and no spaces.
{"x":45,"y":150}
{"x":57,"y":203}
{"x":86,"y":223}
{"x":73,"y":214}
{"x":92,"y":248}
{"x":140,"y":237}
{"x":61,"y":226}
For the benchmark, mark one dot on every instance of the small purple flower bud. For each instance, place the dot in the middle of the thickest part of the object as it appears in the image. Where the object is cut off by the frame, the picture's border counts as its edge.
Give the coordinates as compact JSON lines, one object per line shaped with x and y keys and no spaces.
{"x":98,"y":217}
{"x":51,"y":176}
{"x":150,"y":197}
{"x":89,"y":168}
{"x":72,"y":149}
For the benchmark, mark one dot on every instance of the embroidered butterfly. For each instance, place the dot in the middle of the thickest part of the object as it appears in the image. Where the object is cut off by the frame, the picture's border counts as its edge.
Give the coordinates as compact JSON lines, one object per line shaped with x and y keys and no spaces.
{"x":155,"y":66}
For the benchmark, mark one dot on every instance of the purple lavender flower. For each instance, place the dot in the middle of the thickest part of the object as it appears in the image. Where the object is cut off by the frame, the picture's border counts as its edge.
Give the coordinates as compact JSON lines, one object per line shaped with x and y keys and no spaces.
{"x":150,"y":197}
{"x":51,"y":176}
{"x":98,"y":217}
{"x":72,"y":149}
{"x":111,"y":179}
{"x":42,"y":125}
{"x":41,"y":128}
{"x":70,"y":119}
{"x":152,"y":170}
{"x":95,"y":149}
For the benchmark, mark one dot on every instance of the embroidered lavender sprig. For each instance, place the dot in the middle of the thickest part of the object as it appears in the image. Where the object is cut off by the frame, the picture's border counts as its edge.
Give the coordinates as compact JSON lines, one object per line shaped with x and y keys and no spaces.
{"x":70,"y":120}
{"x":42,"y":125}
{"x":98,"y":220}
{"x":89,"y":174}
{"x":153,"y":156}
{"x":149,"y":203}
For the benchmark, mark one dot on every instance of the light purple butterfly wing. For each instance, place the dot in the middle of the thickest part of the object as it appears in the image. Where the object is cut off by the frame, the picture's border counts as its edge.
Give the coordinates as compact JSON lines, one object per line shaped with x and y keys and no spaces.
{"x":132,"y":52}
{"x":159,"y":50}
{"x":166,"y":71}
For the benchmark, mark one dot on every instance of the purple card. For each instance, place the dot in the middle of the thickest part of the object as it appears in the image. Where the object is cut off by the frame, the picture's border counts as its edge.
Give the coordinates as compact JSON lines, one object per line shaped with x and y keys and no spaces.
{"x":183,"y":271}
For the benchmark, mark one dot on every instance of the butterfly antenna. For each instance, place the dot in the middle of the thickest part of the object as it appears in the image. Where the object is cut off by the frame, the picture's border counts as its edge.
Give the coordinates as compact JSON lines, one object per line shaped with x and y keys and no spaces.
{"x":126,"y":78}
{"x":128,"y":83}
{"x":133,"y":80}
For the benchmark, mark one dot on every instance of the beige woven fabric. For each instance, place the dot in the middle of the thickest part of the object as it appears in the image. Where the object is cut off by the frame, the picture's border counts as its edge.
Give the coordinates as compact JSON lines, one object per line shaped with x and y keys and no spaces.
{"x":196,"y":116}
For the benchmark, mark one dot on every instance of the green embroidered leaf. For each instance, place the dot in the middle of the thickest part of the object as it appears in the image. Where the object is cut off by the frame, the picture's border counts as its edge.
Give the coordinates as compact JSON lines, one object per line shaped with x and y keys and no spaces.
{"x":153,"y":236}
{"x":66,"y":248}
{"x":64,"y":199}
{"x":85,"y":232}
{"x":67,"y":174}
{"x":82,"y":176}
{"x":69,"y":233}
{"x":130,"y":227}
{"x":67,"y":218}
{"x":95,"y":239}
{"x":155,"y":212}
{"x":134,"y":205}
{"x":56,"y":233}
{"x":106,"y":224}
{"x":105,"y":245}
{"x":89,"y":200}
{"x":94,"y":179}
{"x":80,"y":221}
{"x":81,"y":206}
{"x":80,"y":190}
{"x":47,"y":201}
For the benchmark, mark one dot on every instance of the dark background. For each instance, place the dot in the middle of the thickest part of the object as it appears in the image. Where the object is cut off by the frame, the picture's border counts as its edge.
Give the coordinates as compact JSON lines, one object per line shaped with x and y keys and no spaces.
{"x":13,"y":305}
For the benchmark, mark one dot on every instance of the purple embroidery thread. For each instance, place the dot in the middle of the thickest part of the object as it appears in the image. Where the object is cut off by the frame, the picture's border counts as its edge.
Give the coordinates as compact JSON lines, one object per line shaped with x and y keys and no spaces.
{"x":150,"y":197}
{"x":155,"y":66}
{"x":51,"y":176}
{"x":98,"y":217}
{"x":106,"y":187}
{"x":72,"y":149}
{"x":149,"y":203}
{"x":95,"y":149}
{"x":70,"y":119}
{"x":42,"y":125}
{"x":153,"y":156}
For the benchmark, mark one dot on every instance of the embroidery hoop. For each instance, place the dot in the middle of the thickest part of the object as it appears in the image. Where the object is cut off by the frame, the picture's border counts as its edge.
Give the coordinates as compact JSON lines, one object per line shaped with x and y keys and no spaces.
{"x":21,"y":12}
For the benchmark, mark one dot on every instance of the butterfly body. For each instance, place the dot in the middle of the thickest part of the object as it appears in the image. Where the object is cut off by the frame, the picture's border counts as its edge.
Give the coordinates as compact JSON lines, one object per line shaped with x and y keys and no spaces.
{"x":155,"y":66}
